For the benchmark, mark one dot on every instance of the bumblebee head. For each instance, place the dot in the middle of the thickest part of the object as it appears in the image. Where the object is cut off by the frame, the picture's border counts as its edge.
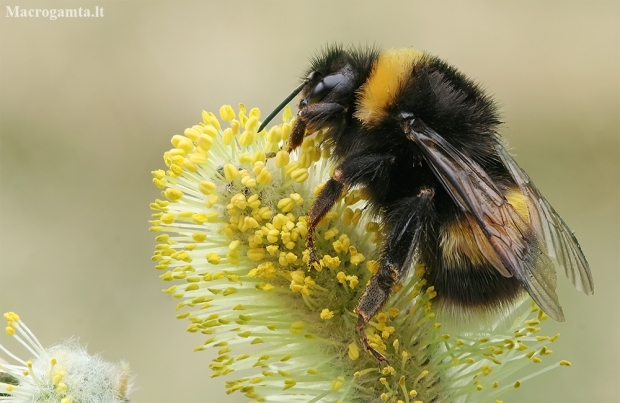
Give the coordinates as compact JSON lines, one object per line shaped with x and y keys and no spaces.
{"x":333,"y":78}
{"x":328,"y":90}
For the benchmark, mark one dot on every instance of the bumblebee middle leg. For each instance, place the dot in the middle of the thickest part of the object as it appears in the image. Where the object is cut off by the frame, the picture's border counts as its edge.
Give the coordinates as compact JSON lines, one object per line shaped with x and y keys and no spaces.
{"x":407,"y":222}
{"x":355,"y":169}
{"x":321,"y":206}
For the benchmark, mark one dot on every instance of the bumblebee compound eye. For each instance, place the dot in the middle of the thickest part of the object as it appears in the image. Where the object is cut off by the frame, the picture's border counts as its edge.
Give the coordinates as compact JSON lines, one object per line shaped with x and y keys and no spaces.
{"x":323,"y":88}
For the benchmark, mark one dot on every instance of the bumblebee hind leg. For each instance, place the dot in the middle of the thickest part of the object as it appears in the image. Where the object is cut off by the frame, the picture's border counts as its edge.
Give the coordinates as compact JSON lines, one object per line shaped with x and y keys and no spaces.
{"x":407,"y":221}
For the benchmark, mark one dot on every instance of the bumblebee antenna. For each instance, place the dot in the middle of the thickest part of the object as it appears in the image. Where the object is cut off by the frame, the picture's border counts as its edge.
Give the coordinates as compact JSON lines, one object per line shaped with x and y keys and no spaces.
{"x":285,"y":102}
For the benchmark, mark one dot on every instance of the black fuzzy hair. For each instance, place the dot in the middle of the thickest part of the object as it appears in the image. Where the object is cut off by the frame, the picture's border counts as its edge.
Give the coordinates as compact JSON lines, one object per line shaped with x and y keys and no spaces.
{"x":454,"y":106}
{"x":334,"y":57}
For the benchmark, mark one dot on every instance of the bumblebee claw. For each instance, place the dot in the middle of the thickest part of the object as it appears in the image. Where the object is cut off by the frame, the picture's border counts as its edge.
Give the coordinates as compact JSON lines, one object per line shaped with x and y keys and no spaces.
{"x":378,"y":356}
{"x":312,"y":257}
{"x":359,"y":327}
{"x":313,"y":261}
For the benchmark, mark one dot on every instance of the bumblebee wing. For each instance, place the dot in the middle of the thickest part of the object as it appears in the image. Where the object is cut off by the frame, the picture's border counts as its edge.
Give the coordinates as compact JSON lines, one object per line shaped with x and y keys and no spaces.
{"x":515,"y":250}
{"x":559,"y":241}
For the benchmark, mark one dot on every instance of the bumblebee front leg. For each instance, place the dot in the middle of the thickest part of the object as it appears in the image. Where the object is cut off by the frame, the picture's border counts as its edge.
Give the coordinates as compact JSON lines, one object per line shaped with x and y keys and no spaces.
{"x":407,"y":221}
{"x":312,"y":118}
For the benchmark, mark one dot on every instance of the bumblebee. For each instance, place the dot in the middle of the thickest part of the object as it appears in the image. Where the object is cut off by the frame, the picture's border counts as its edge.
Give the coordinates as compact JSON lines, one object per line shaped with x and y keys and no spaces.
{"x":422,"y":140}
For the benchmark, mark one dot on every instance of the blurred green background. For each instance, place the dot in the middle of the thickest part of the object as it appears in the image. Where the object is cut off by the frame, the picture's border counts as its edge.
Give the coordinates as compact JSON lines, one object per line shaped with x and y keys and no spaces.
{"x":88,"y":107}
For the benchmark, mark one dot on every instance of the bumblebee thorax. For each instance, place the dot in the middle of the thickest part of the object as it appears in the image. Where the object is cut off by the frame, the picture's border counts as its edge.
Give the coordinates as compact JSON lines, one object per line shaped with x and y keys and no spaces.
{"x":392,"y":69}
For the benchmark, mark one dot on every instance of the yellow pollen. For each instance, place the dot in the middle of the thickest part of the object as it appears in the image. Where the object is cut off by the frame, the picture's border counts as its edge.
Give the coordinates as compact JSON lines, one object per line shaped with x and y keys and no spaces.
{"x":326,"y":314}
{"x":289,"y":383}
{"x":285,"y":205}
{"x":372,"y":266}
{"x":227,"y":113}
{"x":173,"y":194}
{"x":299,"y":175}
{"x":213,"y":258}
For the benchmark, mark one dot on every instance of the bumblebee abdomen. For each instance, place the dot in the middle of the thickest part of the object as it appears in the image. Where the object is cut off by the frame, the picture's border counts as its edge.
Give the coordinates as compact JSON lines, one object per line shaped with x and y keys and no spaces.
{"x":474,"y":287}
{"x":462,"y":275}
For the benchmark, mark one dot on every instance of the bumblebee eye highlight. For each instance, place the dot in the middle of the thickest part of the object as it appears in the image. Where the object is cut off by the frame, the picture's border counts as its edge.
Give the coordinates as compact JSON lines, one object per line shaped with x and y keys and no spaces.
{"x":324,"y":87}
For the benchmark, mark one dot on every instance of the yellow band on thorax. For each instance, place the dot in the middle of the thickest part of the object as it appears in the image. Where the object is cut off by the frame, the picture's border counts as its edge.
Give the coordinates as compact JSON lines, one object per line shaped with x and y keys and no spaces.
{"x":391,"y":70}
